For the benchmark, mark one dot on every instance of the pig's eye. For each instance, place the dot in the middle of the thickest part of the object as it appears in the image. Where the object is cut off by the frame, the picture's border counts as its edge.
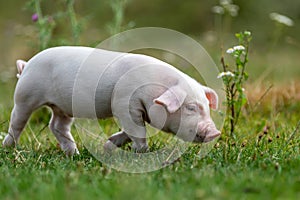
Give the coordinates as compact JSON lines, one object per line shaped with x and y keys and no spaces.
{"x":201,"y":108}
{"x":191,"y":107}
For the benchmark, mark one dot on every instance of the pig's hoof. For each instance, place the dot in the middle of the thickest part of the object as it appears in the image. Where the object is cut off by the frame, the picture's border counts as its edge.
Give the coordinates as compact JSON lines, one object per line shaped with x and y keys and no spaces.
{"x":70,"y":149}
{"x":109,"y":146}
{"x":8,"y":141}
{"x":140,"y":148}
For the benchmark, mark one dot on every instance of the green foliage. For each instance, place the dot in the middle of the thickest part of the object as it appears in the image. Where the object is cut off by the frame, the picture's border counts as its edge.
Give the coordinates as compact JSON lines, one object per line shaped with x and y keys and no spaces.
{"x":46,"y":24}
{"x":234,"y":79}
{"x":76,"y":27}
{"x":117,"y":25}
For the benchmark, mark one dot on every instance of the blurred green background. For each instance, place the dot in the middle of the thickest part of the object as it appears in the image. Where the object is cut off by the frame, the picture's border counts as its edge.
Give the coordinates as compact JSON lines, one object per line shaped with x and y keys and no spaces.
{"x":274,"y":52}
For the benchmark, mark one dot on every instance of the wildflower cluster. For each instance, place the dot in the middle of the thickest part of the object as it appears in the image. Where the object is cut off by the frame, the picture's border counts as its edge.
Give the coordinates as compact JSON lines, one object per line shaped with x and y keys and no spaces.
{"x":234,"y":79}
{"x":236,"y":50}
{"x":226,"y":6}
{"x":228,"y":73}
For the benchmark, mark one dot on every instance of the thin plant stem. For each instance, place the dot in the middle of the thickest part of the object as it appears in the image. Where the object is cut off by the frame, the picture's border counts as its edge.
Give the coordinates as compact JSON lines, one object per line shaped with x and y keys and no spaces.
{"x":74,"y":22}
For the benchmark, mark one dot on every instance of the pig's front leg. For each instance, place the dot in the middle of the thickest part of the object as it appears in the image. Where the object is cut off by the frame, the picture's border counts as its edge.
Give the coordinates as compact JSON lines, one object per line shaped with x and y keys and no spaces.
{"x":121,"y":138}
{"x":116,"y":140}
{"x":134,"y":126}
{"x":133,"y":129}
{"x":139,"y":144}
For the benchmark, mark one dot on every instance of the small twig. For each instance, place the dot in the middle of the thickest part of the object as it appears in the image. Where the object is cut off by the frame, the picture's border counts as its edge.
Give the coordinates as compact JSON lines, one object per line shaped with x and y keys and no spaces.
{"x":40,"y":131}
{"x":264,"y":94}
{"x":40,"y":156}
{"x":232,"y":114}
{"x":293,"y":133}
{"x":245,"y":59}
{"x":290,"y":138}
{"x":167,"y":161}
{"x":2,"y":123}
{"x":239,"y":156}
{"x":225,"y":66}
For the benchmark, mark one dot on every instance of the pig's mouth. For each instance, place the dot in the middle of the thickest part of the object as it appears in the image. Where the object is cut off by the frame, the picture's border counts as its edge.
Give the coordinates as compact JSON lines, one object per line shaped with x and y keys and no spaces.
{"x":204,"y":138}
{"x":211,"y":137}
{"x":206,"y":132}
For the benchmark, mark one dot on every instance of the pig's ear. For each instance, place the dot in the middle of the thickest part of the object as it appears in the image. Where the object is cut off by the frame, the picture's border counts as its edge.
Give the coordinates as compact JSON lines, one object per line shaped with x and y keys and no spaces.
{"x":212,"y":97}
{"x":172,"y":99}
{"x":20,"y":65}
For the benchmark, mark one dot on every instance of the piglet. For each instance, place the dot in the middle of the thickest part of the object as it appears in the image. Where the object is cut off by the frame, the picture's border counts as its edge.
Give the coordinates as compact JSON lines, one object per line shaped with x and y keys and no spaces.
{"x":83,"y":82}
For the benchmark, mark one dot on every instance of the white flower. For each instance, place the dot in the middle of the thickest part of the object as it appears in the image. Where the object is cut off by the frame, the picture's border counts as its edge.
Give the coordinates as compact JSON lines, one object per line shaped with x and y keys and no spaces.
{"x":282,"y":19}
{"x":218,"y":10}
{"x":230,"y":51}
{"x":233,"y":9}
{"x":225,"y":2}
{"x":239,"y":48}
{"x":228,"y":73}
{"x":235,"y":48}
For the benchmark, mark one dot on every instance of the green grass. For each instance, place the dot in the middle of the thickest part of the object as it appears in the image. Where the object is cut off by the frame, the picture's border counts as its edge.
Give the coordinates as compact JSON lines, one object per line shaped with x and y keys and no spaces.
{"x":251,"y":165}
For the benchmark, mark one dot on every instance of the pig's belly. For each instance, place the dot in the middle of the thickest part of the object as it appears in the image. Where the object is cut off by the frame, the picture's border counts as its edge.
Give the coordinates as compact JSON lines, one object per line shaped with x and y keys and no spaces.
{"x":90,"y":107}
{"x":81,"y":100}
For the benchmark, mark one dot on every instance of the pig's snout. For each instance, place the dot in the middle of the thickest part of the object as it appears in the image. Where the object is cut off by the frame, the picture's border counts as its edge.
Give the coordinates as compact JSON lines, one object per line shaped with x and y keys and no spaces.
{"x":206,"y":132}
{"x":212,"y":135}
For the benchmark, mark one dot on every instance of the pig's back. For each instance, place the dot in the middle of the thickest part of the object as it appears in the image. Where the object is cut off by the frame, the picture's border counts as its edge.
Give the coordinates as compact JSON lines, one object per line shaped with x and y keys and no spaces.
{"x":78,"y":77}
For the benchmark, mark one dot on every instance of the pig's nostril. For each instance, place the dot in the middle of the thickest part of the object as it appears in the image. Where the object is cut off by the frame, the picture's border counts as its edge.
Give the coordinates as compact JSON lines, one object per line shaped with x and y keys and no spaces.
{"x":218,"y":133}
{"x":209,"y":137}
{"x":200,"y":138}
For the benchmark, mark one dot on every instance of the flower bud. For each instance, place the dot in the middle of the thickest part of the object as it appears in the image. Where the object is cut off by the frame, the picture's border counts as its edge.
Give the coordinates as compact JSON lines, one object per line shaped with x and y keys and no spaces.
{"x":34,"y":17}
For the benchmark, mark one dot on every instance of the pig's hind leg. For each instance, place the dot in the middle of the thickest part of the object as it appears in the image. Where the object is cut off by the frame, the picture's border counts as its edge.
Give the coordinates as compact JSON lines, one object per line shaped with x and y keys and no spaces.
{"x":19,"y":117}
{"x":60,"y":125}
